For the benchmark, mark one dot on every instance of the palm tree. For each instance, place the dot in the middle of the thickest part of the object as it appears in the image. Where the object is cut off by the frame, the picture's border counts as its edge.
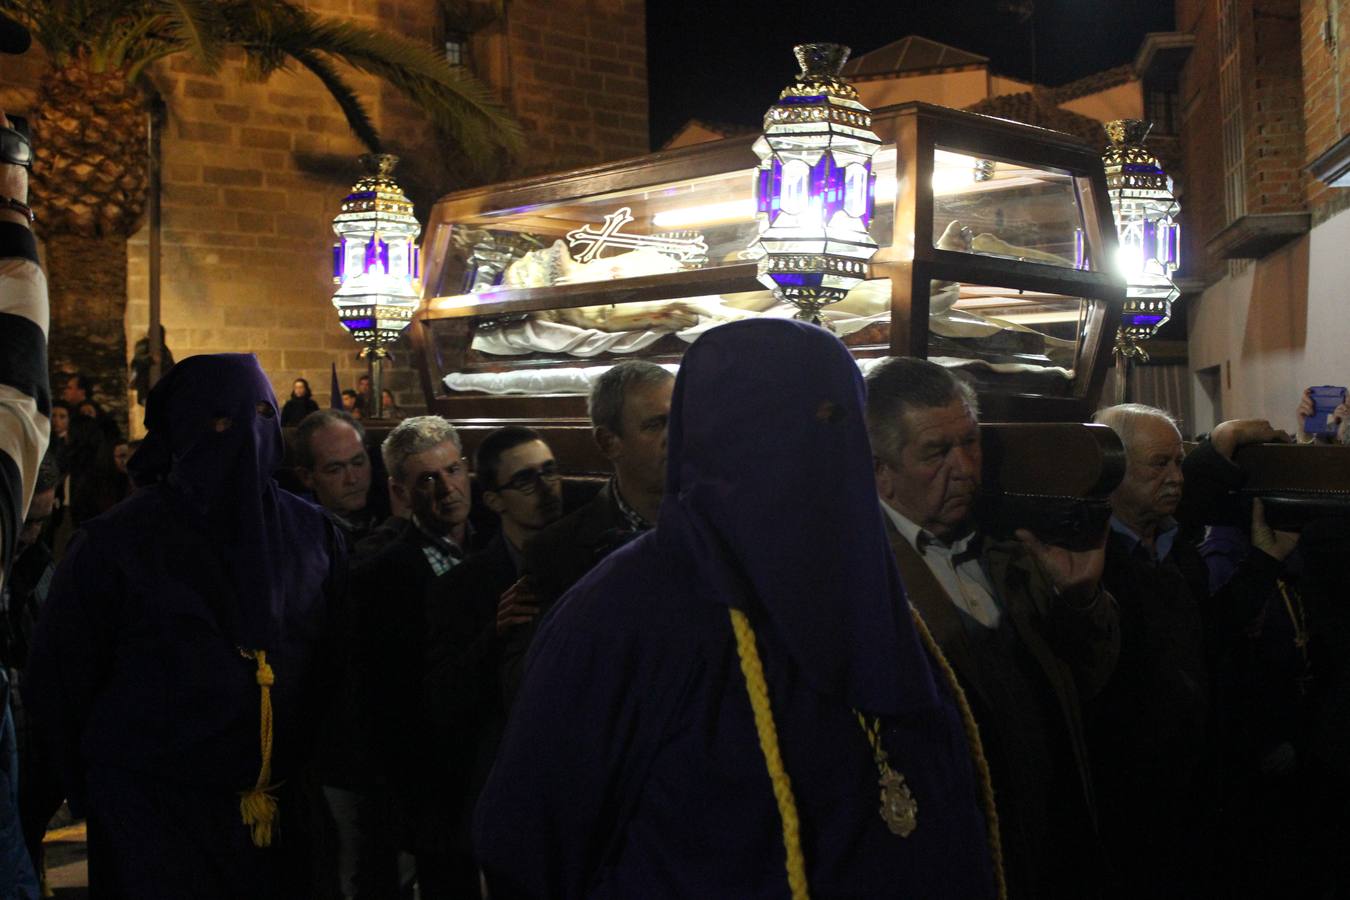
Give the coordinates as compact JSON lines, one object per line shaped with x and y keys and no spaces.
{"x":90,"y":165}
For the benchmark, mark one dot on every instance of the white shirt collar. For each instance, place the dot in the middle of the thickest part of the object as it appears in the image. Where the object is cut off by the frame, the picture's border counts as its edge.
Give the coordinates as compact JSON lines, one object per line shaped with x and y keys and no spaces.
{"x":920,"y":538}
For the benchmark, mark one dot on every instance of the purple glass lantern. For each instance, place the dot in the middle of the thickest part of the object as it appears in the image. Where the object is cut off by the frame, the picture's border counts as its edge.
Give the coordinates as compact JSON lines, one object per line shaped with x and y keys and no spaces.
{"x":815,"y":193}
{"x":1145,"y":211}
{"x":375,"y":258}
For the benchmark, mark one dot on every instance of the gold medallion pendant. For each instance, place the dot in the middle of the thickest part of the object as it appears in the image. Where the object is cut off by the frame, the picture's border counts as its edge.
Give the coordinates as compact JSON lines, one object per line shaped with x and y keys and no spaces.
{"x":898,"y":809}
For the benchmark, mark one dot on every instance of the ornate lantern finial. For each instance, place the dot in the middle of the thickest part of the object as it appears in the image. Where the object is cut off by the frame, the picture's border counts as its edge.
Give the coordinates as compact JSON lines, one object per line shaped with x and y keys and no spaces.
{"x":1145,"y":211}
{"x":815,"y":186}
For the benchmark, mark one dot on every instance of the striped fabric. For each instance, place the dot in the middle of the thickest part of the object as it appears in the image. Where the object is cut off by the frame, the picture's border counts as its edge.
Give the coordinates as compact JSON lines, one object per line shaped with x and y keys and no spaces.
{"x":25,"y":396}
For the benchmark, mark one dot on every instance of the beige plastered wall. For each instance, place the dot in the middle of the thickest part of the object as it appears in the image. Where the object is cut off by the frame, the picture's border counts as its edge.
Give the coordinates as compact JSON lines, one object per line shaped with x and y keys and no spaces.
{"x":1274,"y":327}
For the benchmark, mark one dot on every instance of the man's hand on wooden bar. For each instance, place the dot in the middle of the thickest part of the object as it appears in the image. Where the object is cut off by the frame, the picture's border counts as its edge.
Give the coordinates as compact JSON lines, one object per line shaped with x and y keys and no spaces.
{"x":1075,"y":575}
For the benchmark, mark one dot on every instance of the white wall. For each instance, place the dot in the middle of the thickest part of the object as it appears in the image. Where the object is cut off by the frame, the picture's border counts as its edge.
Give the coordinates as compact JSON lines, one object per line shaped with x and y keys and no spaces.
{"x":1276,"y":327}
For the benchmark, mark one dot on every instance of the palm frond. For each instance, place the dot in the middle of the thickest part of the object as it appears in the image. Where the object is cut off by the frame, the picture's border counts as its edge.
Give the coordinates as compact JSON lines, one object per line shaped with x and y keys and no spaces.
{"x":198,"y":25}
{"x":130,"y":34}
{"x":346,"y":98}
{"x":460,"y":104}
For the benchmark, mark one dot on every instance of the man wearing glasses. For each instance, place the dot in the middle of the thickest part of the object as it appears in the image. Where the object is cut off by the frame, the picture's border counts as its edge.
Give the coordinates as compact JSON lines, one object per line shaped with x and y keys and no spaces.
{"x":521,"y":483}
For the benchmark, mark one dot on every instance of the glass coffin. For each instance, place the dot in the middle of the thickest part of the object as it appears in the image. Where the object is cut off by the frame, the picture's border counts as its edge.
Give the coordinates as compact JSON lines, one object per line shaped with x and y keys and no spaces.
{"x":990,"y":236}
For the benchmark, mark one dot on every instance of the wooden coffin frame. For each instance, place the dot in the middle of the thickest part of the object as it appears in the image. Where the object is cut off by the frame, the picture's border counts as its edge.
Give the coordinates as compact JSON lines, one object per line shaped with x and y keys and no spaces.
{"x":911,"y":262}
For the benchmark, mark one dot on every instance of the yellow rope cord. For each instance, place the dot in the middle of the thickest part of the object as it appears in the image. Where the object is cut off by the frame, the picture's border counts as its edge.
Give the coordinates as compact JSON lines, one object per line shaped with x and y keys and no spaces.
{"x":258,"y":807}
{"x":976,"y":752}
{"x":782,"y":785}
{"x":755,"y":685}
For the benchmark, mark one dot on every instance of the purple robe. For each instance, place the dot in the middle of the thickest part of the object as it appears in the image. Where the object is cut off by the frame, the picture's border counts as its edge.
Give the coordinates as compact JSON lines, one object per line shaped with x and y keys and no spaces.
{"x":137,"y":687}
{"x":631,"y":765}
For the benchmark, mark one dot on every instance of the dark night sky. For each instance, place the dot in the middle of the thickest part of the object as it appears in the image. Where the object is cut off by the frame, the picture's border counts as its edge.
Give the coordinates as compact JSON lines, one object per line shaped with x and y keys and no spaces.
{"x":726,"y":61}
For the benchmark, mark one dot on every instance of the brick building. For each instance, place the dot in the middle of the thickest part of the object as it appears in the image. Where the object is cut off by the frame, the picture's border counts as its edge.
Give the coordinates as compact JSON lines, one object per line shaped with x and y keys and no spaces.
{"x":1264,"y":139}
{"x":253,"y":171}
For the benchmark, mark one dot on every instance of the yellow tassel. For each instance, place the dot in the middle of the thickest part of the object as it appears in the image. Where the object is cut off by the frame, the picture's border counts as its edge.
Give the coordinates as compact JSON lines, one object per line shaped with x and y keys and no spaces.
{"x":258,"y":807}
{"x":753,"y":670}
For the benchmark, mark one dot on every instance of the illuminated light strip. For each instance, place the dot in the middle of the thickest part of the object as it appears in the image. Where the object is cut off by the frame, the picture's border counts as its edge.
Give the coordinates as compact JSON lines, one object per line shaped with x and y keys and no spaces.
{"x":457,"y":302}
{"x":728,"y":211}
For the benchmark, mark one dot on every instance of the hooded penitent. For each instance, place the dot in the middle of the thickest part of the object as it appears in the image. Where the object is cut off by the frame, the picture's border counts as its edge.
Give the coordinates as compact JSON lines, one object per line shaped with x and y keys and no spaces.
{"x":214,"y":441}
{"x":637,"y":762}
{"x":769,"y":485}
{"x":177,"y":669}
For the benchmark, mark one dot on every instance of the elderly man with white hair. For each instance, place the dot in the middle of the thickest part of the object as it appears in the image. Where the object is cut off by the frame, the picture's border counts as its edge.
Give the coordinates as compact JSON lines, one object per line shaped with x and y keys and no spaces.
{"x":1152,"y":732}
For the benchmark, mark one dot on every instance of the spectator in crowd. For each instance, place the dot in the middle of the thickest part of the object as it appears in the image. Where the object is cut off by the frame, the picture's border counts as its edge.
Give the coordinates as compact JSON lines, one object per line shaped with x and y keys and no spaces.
{"x":111,"y":481}
{"x":350,"y":404}
{"x":391,"y":408}
{"x":710,"y":708}
{"x":77,"y":389}
{"x":25,"y":430}
{"x":364,"y":401}
{"x":22,"y":598}
{"x":78,"y":395}
{"x":299,"y":404}
{"x":332,"y":464}
{"x":1026,"y":626}
{"x":142,"y":364}
{"x":1151,"y":731}
{"x":177,"y":667}
{"x":521,"y":483}
{"x":25,"y":591}
{"x":629,"y":405}
{"x":60,"y":428}
{"x":427,"y":471}
{"x":1340,"y":416}
{"x":122,"y":455}
{"x":87,"y":459}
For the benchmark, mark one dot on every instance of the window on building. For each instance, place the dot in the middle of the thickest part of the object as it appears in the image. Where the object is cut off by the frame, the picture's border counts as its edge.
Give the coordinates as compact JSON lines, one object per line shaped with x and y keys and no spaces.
{"x":457,"y":48}
{"x":1230,"y":107}
{"x":1160,"y":108}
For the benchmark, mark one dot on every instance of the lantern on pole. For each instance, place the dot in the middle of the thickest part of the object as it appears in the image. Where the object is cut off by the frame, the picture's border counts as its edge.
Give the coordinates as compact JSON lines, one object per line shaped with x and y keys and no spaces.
{"x":1149,"y":252}
{"x":375,"y":265}
{"x":815,"y":188}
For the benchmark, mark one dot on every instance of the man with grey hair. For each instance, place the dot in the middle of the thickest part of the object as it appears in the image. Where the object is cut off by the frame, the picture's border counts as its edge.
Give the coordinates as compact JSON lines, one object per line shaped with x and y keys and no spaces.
{"x":1025,"y":625}
{"x":629,"y":405}
{"x":427,"y":471}
{"x":1151,"y":731}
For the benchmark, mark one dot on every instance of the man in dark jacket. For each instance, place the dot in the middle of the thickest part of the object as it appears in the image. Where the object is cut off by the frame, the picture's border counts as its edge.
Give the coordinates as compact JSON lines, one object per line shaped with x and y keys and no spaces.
{"x":332,"y":463}
{"x":520,"y":482}
{"x":428,"y":472}
{"x":1026,"y":626}
{"x":629,"y":406}
{"x":1151,"y":731}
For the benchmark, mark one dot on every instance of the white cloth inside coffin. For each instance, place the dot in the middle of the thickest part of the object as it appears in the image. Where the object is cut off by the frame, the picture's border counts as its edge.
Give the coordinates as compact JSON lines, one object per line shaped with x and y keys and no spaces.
{"x":578,"y":379}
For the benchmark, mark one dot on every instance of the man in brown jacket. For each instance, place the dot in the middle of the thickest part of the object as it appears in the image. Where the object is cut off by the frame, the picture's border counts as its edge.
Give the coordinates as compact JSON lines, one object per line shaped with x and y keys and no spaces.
{"x":1025,"y":625}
